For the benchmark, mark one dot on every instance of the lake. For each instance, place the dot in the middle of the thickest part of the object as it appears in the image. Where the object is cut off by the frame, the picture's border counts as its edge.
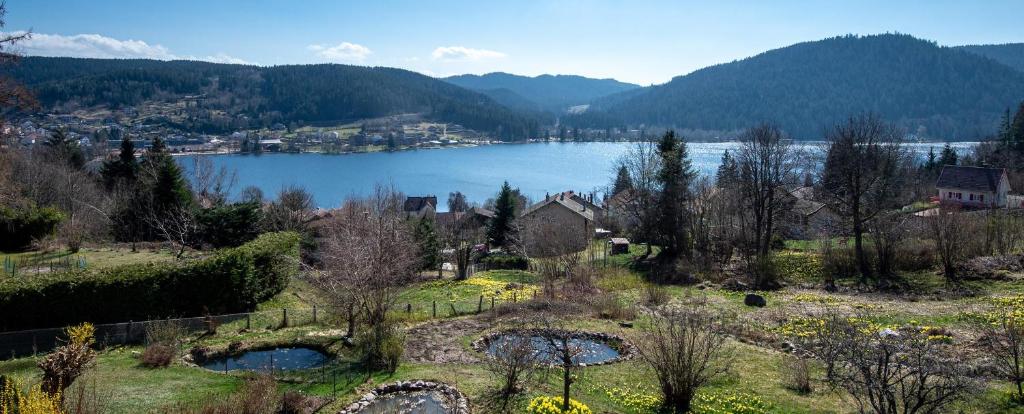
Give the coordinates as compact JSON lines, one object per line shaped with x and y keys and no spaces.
{"x":475,"y":171}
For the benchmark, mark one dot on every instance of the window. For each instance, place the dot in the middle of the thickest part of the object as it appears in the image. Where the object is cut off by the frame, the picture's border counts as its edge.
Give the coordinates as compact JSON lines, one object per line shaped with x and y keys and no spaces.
{"x":959,"y":196}
{"x":972,"y":196}
{"x":981,"y":198}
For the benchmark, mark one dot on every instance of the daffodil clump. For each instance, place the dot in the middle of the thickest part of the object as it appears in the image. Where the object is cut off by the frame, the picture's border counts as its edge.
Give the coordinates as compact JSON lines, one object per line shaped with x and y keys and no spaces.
{"x":729,"y":403}
{"x":35,"y":401}
{"x":637,"y":400}
{"x":1003,"y":309}
{"x":482,"y":284}
{"x":553,"y":405}
{"x":812,"y":298}
{"x":798,"y":265}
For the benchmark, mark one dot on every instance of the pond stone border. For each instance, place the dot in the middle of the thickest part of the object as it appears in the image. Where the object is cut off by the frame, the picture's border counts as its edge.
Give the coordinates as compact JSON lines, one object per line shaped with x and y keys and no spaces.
{"x":625,"y":349}
{"x":452,"y":394}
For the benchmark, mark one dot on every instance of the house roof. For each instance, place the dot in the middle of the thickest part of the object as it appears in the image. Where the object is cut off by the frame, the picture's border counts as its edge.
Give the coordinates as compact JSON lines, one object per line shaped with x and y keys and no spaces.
{"x":567,"y":202}
{"x":481,"y":211}
{"x":419,"y":203}
{"x":970,"y":178}
{"x":807,"y":207}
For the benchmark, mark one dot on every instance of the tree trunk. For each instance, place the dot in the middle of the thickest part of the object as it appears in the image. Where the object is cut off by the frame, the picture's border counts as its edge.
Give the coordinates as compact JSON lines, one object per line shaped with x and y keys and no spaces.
{"x":351,"y":331}
{"x":566,"y":380}
{"x":858,"y":248}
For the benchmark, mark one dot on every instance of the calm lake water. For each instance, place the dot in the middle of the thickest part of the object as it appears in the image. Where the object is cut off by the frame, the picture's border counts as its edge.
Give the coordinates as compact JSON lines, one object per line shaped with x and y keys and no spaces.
{"x":475,"y":171}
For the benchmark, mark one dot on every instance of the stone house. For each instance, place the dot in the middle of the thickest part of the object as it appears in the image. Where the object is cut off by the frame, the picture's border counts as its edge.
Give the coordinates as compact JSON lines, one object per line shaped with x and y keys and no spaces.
{"x":557,"y":225}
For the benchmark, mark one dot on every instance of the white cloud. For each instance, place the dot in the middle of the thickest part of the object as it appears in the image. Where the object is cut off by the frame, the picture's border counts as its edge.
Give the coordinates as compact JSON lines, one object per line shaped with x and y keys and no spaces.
{"x":99,"y":46}
{"x":452,"y":53}
{"x":342,"y":52}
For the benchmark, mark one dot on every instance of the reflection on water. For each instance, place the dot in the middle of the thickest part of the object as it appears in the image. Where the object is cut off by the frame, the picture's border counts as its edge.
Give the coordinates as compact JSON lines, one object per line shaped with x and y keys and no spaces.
{"x":277,"y":359}
{"x":421,"y":402}
{"x":590,"y":351}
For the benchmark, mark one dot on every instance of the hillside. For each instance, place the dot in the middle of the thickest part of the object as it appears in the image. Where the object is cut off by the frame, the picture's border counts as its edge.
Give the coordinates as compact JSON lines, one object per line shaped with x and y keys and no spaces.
{"x":1009,"y":54}
{"x":551,"y":92}
{"x":229,"y":97}
{"x":939,"y":91}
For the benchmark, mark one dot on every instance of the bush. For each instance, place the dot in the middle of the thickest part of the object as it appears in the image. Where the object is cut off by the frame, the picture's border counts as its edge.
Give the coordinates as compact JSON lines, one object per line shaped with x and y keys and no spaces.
{"x":20,"y":226}
{"x":915,"y":255}
{"x":796,"y":372}
{"x":505,"y":261}
{"x":609,"y":306}
{"x":158,"y":355}
{"x":231,"y":280}
{"x":229,"y":225}
{"x":655,"y":294}
{"x":553,"y":405}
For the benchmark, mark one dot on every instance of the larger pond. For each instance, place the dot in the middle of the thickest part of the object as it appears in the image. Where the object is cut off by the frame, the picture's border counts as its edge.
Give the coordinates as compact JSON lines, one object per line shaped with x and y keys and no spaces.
{"x":588,"y":351}
{"x":477,"y":172}
{"x":269,"y":360}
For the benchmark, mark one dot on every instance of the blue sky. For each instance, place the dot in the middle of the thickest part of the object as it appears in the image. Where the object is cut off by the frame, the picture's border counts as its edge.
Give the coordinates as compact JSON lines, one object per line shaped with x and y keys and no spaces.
{"x":637,"y":41}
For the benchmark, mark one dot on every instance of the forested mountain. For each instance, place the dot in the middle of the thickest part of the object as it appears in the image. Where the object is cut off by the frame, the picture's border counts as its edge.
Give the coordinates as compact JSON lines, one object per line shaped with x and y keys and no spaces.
{"x":1009,"y":54}
{"x":552,"y":92}
{"x":941,"y":92}
{"x":239,"y":96}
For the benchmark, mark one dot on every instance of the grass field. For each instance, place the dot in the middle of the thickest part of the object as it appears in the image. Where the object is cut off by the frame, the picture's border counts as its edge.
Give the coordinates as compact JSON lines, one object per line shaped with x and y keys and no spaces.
{"x":755,"y":379}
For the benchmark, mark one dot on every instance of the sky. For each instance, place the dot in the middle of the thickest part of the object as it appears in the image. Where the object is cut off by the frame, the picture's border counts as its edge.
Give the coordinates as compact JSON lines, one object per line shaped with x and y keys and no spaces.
{"x":643,"y":42}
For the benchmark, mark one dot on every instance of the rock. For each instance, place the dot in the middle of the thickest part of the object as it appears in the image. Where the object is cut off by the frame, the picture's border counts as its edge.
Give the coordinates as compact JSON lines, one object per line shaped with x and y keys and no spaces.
{"x":754,"y":300}
{"x":735,"y":285}
{"x":352,"y":407}
{"x":626,"y":324}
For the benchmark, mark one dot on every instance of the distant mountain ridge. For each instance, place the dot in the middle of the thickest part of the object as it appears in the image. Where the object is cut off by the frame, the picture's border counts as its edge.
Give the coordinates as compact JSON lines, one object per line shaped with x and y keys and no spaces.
{"x":1009,"y":54}
{"x":232,"y":97}
{"x":550,"y":92}
{"x":942,"y":92}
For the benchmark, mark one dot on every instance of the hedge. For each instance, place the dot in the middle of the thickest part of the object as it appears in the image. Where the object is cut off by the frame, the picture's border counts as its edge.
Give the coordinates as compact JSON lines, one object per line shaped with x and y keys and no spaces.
{"x":505,"y":261}
{"x":231,"y":280}
{"x":20,"y":226}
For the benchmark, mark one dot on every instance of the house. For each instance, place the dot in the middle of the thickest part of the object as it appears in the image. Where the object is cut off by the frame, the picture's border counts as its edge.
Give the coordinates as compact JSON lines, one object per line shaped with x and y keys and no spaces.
{"x":420,"y":207}
{"x":619,"y":245}
{"x":474,"y":219}
{"x":973,"y":186}
{"x":557,"y":225}
{"x":807,"y":217}
{"x":585,"y":199}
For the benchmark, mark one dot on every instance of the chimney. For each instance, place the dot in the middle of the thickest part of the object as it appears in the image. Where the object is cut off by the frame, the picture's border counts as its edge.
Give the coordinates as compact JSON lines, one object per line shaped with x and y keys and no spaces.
{"x":561,"y":196}
{"x":547,"y":195}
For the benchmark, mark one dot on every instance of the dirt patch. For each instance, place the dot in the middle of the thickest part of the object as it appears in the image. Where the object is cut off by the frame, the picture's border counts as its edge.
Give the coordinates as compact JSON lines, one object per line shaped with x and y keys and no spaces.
{"x":441,"y":341}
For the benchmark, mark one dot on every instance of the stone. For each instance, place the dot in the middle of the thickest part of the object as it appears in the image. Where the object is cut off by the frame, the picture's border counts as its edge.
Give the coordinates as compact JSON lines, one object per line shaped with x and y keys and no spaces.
{"x":754,"y":300}
{"x":626,"y":324}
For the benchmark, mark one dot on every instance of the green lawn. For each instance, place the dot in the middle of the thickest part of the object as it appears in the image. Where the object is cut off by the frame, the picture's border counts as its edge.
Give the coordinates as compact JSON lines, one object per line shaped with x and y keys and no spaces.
{"x":97,"y":258}
{"x":755,"y":376}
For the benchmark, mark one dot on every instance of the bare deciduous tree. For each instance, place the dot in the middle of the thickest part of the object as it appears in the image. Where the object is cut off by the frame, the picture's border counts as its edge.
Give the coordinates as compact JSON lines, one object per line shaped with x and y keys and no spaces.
{"x":558,"y":252}
{"x":459,"y":239}
{"x":1005,"y":340}
{"x":892,"y":371}
{"x":888,"y":230}
{"x":369,"y":254}
{"x":767,"y":162}
{"x":860,"y":175}
{"x":686,"y":349}
{"x":176,"y":225}
{"x":637,"y":206}
{"x":513,"y":363}
{"x":947,"y":227}
{"x":212,"y":185}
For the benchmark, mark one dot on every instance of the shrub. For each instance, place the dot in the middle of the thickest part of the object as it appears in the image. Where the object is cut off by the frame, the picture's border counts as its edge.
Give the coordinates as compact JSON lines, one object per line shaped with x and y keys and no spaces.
{"x":257,"y":396}
{"x":231,"y":280}
{"x":229,"y":225}
{"x":796,"y":372}
{"x":553,"y":405}
{"x":62,"y":366}
{"x":655,"y":294}
{"x":35,"y":401}
{"x":505,"y":261}
{"x":608,"y":306}
{"x":158,"y":355}
{"x":915,"y":255}
{"x":20,"y":226}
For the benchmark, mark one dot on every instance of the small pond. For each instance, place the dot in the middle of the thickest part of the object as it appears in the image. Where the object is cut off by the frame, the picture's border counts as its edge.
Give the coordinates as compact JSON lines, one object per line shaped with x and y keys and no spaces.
{"x":276,"y":359}
{"x":592,"y":351}
{"x":420,"y":402}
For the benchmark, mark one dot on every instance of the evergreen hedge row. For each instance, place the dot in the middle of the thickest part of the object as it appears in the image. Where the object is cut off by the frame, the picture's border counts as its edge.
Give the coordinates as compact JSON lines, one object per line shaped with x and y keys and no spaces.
{"x":231,"y":280}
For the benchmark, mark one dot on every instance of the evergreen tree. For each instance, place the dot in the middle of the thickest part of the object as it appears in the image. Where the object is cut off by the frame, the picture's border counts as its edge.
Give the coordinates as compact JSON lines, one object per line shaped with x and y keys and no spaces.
{"x":500,"y":230}
{"x":675,"y":176}
{"x":65,"y":149}
{"x":622,"y":181}
{"x":728,"y":174}
{"x":1017,"y":130}
{"x":932,"y":163}
{"x":948,"y":156}
{"x":123,"y":169}
{"x":426,"y":237}
{"x":167,"y":186}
